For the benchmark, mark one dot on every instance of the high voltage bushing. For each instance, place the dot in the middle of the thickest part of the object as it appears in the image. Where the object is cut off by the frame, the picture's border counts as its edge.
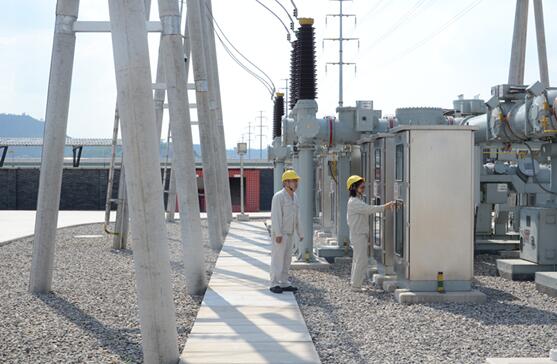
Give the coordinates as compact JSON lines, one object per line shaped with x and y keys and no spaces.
{"x":278,"y":113}
{"x":294,"y":74}
{"x":307,"y":85}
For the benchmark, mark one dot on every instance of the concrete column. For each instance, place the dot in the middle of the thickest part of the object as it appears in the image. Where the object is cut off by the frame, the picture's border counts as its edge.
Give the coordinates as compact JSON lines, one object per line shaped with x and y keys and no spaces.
{"x":306,"y":200}
{"x":183,"y":158}
{"x":214,"y":115}
{"x":121,"y":226}
{"x":277,"y":175}
{"x":171,"y":204}
{"x":215,"y":85}
{"x":518,"y":51}
{"x":343,"y":172}
{"x":540,"y":36}
{"x":52,"y":161}
{"x":141,"y":149}
{"x":206,"y":131}
{"x":120,"y":241}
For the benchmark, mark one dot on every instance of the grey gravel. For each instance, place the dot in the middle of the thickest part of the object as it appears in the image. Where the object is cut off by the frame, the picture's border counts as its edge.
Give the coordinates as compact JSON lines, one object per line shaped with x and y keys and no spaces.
{"x":92,"y":317}
{"x":370,"y":327}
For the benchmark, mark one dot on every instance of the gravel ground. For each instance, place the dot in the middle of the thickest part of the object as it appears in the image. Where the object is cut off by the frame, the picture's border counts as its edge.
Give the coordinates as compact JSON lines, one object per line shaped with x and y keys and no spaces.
{"x":92,"y":317}
{"x":370,"y":327}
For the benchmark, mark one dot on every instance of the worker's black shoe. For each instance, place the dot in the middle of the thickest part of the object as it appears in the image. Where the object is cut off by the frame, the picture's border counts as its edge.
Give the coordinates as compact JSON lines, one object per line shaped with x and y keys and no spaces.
{"x":289,"y":289}
{"x":276,"y":289}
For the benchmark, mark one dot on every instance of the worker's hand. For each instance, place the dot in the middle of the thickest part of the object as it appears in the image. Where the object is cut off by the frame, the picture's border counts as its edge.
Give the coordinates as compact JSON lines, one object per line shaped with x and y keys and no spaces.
{"x":301,"y":238}
{"x":390,"y":205}
{"x":278,"y":239}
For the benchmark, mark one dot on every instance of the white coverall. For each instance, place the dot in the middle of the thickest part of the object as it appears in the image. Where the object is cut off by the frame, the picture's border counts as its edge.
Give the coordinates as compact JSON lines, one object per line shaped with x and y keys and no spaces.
{"x":357,"y":216}
{"x":285,"y":221}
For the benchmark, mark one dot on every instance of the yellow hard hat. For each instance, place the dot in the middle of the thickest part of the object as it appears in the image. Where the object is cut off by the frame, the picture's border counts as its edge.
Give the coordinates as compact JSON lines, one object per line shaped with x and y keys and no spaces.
{"x":289,"y":174}
{"x":353,"y":179}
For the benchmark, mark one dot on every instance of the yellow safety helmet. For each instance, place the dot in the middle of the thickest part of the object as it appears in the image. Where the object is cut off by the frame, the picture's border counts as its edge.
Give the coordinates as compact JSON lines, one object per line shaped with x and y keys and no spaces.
{"x":353,"y":179}
{"x":289,"y":175}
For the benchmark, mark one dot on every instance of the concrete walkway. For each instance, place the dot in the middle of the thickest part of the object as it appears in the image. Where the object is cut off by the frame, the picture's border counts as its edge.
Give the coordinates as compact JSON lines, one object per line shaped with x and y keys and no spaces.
{"x":240,"y":321}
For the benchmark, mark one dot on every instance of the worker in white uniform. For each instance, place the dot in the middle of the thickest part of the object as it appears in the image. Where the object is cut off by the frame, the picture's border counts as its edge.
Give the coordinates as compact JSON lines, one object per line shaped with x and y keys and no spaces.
{"x":285,"y":220}
{"x":358,"y":213}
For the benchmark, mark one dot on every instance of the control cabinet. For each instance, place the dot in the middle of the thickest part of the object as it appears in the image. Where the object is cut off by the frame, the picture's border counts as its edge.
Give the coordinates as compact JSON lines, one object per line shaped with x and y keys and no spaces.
{"x":433,"y":223}
{"x":538,"y":235}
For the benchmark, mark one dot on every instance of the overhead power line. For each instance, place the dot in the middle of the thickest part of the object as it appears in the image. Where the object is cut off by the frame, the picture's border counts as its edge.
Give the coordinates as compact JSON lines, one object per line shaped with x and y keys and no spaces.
{"x":435,"y":33}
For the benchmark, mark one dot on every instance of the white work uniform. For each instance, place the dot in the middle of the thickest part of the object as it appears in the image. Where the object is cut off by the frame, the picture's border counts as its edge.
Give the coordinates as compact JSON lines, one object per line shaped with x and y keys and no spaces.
{"x":285,"y":220}
{"x":357,"y":215}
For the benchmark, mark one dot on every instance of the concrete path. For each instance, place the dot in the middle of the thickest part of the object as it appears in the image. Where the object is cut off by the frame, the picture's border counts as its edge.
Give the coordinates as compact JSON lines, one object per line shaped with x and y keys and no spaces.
{"x":240,"y":321}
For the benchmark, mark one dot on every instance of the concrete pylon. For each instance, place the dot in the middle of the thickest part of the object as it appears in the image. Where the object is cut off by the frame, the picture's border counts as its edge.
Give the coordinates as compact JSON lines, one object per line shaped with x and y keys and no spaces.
{"x":52,"y":161}
{"x":120,"y":240}
{"x":518,"y":50}
{"x":214,"y":85}
{"x":213,"y":199}
{"x":183,"y":158}
{"x":214,"y":115}
{"x":540,"y":36}
{"x":141,"y":149}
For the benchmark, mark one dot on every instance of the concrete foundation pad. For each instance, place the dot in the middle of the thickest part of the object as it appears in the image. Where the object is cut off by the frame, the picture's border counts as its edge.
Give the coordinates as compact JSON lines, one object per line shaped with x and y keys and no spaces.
{"x":519,"y":361}
{"x":379,"y":279}
{"x":546,"y":282}
{"x":509,"y":254}
{"x":242,"y":217}
{"x":408,"y":297}
{"x":319,"y":264}
{"x":520,"y":269}
{"x":390,"y":286}
{"x":495,"y":245}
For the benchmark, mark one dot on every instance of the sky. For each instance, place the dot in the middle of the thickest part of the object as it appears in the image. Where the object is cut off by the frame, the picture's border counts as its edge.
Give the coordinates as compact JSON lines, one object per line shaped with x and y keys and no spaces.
{"x":410,"y":53}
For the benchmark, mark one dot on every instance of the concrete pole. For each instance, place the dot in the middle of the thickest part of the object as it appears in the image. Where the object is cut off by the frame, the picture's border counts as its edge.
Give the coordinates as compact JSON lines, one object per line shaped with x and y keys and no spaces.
{"x":120,"y":241}
{"x":52,"y":161}
{"x":220,"y":122}
{"x":121,"y":225}
{"x":306,"y":200}
{"x":171,"y":202}
{"x":216,"y":113}
{"x":518,"y":51}
{"x":343,"y":172}
{"x":157,"y":314}
{"x":206,"y":131}
{"x":540,"y":36}
{"x":183,"y":158}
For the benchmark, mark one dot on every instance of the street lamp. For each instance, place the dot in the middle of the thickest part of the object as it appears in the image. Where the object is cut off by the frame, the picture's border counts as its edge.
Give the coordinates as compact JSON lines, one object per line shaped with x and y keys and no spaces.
{"x":242,"y":149}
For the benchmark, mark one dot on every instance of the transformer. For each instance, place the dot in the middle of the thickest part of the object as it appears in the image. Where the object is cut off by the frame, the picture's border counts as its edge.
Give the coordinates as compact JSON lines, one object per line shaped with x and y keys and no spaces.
{"x":434,"y":218}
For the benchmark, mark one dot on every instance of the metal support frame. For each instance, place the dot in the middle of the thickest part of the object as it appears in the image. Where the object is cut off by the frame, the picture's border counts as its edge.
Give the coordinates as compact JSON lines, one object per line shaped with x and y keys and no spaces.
{"x":4,"y":153}
{"x":76,"y":151}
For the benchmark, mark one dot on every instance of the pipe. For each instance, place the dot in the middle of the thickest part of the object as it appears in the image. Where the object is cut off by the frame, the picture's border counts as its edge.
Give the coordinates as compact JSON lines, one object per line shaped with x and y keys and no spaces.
{"x":306,"y":200}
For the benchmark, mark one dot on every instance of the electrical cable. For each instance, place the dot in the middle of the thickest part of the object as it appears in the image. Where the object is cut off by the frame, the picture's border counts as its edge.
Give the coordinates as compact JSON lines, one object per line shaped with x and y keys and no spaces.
{"x":276,"y":16}
{"x":287,"y":13}
{"x":215,"y":22}
{"x":535,"y":174}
